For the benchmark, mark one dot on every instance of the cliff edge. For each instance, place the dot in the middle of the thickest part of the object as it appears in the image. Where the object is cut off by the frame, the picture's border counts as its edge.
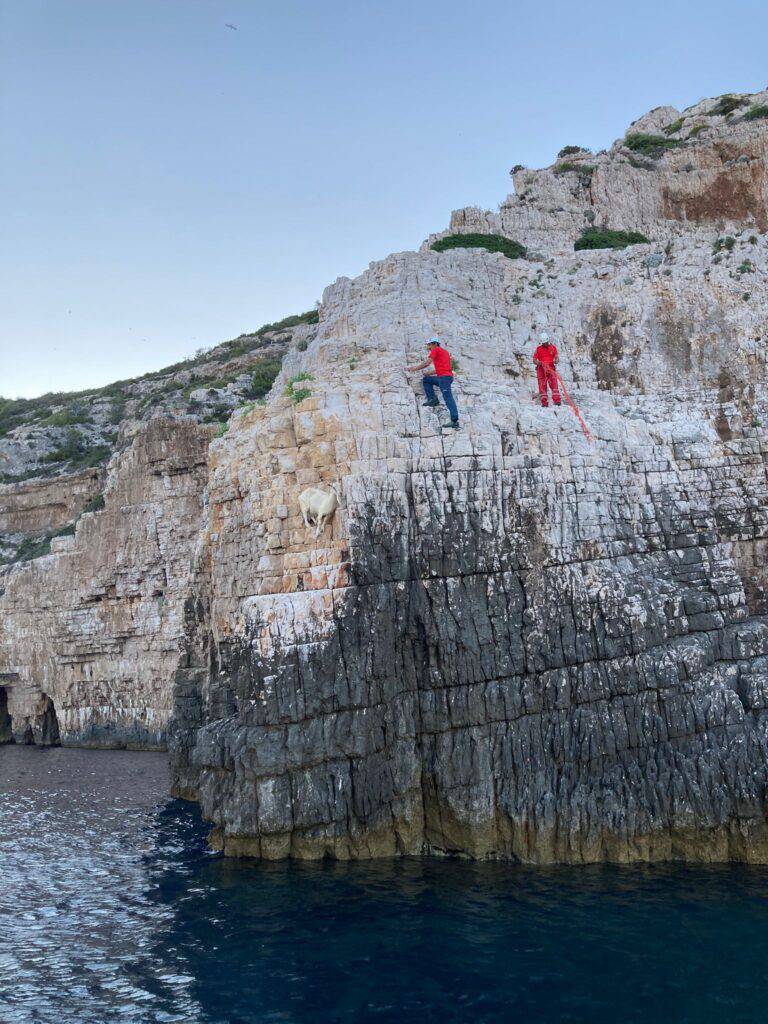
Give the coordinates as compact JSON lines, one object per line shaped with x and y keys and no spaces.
{"x":510,"y":641}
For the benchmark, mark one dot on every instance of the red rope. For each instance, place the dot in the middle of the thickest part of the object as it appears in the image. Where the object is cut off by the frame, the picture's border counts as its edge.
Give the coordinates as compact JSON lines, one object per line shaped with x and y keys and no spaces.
{"x":575,"y":410}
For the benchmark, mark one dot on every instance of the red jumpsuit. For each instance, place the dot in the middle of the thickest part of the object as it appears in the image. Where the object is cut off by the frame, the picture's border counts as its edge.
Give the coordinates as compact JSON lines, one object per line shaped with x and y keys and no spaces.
{"x":545,"y":373}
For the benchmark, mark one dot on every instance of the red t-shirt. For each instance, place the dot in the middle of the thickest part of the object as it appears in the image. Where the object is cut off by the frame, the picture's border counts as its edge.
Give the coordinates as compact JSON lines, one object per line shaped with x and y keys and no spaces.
{"x":547,"y":354}
{"x":441,"y":361}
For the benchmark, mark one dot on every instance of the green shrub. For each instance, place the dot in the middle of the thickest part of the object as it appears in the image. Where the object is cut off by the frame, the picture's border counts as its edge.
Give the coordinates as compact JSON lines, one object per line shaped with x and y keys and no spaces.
{"x":66,"y":417}
{"x":36,"y":547}
{"x":310,"y":317}
{"x":77,"y":453}
{"x":604,"y":238}
{"x":492,"y":243}
{"x":263,"y":377}
{"x":95,"y":504}
{"x":250,"y":406}
{"x":117,"y":412}
{"x":298,"y":394}
{"x":222,"y":428}
{"x":755,"y":113}
{"x":726,"y":243}
{"x":585,"y":171}
{"x":570,"y":150}
{"x":675,"y":127}
{"x":695,"y":131}
{"x":727,"y":104}
{"x":30,"y":549}
{"x":649,"y":145}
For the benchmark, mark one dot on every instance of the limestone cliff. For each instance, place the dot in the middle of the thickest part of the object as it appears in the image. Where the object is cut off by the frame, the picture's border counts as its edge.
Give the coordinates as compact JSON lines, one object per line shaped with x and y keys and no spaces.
{"x":94,"y":561}
{"x":91,"y":631}
{"x":510,"y":641}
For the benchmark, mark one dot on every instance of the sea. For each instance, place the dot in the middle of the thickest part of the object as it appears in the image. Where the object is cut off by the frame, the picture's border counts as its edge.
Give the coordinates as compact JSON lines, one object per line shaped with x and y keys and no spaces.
{"x":112,"y":909}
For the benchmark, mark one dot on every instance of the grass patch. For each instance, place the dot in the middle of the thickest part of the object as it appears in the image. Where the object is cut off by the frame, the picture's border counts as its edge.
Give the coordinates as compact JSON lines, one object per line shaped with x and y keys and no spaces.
{"x":66,"y":417}
{"x":77,"y":453}
{"x":298,"y":394}
{"x":491,"y":243}
{"x":696,"y":131}
{"x":727,"y":243}
{"x":312,"y":316}
{"x":585,"y":171}
{"x":604,"y":238}
{"x":263,"y":377}
{"x":755,"y":113}
{"x":250,"y":406}
{"x":650,"y":145}
{"x":37,"y":547}
{"x":95,"y":504}
{"x":727,"y":105}
{"x":675,"y":127}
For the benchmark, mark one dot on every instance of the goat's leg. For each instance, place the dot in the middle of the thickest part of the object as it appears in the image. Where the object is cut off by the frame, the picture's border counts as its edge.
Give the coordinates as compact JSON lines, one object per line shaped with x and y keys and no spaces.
{"x":320,"y":526}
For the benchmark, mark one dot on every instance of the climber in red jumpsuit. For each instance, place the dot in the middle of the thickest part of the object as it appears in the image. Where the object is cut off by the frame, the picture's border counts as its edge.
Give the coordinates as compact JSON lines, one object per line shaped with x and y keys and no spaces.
{"x":545,"y":357}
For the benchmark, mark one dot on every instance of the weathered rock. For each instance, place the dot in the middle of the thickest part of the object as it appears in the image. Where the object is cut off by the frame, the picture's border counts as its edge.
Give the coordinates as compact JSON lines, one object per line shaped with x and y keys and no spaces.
{"x":510,"y":642}
{"x":91,"y":632}
{"x":712,"y":177}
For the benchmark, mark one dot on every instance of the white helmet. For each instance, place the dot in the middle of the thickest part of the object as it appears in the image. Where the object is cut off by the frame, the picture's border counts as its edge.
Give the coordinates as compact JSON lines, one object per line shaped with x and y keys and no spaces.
{"x":544,"y":337}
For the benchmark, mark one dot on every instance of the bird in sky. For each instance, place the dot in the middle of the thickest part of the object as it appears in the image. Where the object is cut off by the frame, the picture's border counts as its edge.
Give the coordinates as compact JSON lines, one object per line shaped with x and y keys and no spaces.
{"x":233,"y":27}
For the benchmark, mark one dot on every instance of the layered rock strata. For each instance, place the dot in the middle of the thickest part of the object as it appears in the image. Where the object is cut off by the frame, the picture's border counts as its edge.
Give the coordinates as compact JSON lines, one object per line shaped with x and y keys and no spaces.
{"x":92,"y":632}
{"x":512,"y":642}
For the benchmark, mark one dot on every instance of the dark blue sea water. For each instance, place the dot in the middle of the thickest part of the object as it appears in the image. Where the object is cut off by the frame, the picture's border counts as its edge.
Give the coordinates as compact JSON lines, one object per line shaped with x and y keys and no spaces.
{"x":111,"y":910}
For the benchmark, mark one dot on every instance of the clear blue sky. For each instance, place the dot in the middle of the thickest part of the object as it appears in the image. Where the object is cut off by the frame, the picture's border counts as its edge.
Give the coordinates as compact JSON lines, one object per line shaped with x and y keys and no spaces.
{"x":169,"y":182}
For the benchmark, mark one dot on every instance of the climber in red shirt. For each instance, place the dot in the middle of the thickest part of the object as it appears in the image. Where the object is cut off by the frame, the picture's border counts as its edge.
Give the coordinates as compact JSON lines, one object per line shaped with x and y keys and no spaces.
{"x":442,"y":377}
{"x":545,"y":357}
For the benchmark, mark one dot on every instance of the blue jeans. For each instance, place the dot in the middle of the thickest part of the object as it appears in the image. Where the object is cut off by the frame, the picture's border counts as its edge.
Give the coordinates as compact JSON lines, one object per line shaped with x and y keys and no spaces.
{"x":444,"y":383}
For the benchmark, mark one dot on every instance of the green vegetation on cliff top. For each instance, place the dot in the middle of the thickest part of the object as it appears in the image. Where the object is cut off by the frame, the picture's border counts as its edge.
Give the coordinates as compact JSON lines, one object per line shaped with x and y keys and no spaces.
{"x":604,"y":238}
{"x":491,"y":243}
{"x":46,"y":411}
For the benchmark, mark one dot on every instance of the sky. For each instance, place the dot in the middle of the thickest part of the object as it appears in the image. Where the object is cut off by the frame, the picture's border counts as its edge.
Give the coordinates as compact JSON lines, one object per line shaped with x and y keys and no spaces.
{"x":177,"y":172}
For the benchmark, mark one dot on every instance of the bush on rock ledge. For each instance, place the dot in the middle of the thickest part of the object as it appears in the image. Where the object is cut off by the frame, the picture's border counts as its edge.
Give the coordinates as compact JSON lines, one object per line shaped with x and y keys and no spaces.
{"x":604,"y":238}
{"x":493,"y":243}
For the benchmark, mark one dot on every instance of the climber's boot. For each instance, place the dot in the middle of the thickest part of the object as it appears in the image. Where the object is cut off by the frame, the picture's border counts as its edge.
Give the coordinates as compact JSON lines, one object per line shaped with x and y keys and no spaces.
{"x":453,"y":425}
{"x":430,"y":405}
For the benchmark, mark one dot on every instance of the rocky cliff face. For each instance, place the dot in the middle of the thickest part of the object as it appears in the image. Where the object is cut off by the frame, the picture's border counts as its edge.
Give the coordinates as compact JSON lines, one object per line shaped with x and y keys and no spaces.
{"x":91,"y":631}
{"x":510,"y":641}
{"x":671,"y":172}
{"x":94,"y":562}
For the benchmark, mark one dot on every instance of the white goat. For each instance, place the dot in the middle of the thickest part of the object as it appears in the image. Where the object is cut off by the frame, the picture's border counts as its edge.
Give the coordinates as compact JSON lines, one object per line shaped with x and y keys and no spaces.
{"x":318,"y":506}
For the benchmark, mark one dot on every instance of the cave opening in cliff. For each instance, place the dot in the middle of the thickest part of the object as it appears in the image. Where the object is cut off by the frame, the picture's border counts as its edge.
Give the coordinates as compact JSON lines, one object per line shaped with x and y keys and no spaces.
{"x":6,"y":722}
{"x":46,"y":723}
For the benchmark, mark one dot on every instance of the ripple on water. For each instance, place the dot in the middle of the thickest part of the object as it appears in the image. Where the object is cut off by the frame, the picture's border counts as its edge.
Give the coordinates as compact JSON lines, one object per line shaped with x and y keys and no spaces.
{"x":112,"y":910}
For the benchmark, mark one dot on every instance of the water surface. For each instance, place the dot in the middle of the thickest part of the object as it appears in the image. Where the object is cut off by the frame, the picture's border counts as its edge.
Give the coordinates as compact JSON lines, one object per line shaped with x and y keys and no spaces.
{"x":111,"y":909}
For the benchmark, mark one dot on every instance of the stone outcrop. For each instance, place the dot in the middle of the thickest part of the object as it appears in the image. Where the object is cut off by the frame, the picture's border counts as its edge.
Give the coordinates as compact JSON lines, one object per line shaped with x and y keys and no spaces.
{"x":36,"y":508}
{"x":92,"y":631}
{"x":713,"y":174}
{"x":511,"y":640}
